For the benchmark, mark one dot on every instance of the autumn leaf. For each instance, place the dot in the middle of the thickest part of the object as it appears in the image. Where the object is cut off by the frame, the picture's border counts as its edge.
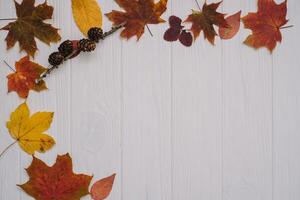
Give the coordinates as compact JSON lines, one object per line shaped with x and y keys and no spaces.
{"x":138,"y":13}
{"x":87,"y":14}
{"x":29,"y":24}
{"x":176,"y":32}
{"x":205,"y":20}
{"x":57,"y":182}
{"x":102,"y":188}
{"x":265,"y":24}
{"x":24,"y":78}
{"x":233,"y":22}
{"x":28,"y":130}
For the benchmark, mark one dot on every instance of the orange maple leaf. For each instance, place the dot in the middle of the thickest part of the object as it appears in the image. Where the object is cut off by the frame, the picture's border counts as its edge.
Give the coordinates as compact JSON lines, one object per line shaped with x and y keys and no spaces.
{"x":265,"y":24}
{"x":138,"y":13}
{"x":205,"y":20}
{"x":24,"y":78}
{"x":56,"y":182}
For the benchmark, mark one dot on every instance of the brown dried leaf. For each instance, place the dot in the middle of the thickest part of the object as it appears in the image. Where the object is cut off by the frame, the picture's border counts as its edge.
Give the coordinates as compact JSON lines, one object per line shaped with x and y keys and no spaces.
{"x":29,"y":24}
{"x":138,"y":13}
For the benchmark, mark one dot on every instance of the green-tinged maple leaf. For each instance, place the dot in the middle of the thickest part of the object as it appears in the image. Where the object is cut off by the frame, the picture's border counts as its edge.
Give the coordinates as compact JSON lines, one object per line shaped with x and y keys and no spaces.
{"x":205,"y":20}
{"x":29,"y":24}
{"x":57,"y":182}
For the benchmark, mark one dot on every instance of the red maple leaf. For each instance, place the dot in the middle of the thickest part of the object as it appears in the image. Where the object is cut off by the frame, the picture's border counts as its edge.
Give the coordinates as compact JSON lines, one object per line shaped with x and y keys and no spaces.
{"x":57,"y":182}
{"x":205,"y":20}
{"x":24,"y":78}
{"x":265,"y":24}
{"x":138,"y":13}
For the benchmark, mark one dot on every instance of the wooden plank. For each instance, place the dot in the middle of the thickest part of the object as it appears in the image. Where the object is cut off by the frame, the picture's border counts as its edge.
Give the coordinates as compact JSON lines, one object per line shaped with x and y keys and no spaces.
{"x":197,"y":112}
{"x":10,"y":161}
{"x":146,"y":114}
{"x":206,"y":122}
{"x":96,"y":108}
{"x":286,"y":94}
{"x":247,"y":116}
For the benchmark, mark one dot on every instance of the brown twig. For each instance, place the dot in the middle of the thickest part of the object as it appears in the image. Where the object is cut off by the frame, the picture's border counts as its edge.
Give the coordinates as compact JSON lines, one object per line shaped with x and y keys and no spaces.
{"x":6,"y":19}
{"x":51,"y":68}
{"x":113,"y":29}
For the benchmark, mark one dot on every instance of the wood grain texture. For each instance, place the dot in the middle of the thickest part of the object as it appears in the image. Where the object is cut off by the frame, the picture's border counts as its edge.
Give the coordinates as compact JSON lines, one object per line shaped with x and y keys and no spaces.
{"x":197,"y":112}
{"x":146,"y":117}
{"x":96,"y":109}
{"x":286,"y":111}
{"x":10,"y":162}
{"x":202,"y":123}
{"x":247,"y":117}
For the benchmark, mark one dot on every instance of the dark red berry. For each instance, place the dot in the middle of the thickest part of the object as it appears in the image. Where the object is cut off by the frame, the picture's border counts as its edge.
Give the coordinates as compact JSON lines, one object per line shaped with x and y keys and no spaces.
{"x":172,"y":34}
{"x":175,"y":22}
{"x":186,"y":38}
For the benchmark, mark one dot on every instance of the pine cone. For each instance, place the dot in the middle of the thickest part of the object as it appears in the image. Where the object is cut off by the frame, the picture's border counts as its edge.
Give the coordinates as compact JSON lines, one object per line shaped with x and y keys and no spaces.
{"x":95,"y":34}
{"x":56,"y":58}
{"x":66,"y":48}
{"x":86,"y":45}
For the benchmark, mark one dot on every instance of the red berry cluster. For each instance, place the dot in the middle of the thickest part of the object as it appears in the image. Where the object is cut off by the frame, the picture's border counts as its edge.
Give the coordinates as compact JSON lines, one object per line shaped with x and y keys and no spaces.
{"x":177,"y":32}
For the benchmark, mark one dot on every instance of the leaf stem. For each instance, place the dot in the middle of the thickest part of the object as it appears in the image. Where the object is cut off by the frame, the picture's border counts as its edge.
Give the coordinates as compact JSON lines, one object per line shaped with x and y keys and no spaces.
{"x":149,"y":30}
{"x":9,"y":66}
{"x":3,"y":19}
{"x":284,"y":27}
{"x":8,"y":147}
{"x":198,"y":5}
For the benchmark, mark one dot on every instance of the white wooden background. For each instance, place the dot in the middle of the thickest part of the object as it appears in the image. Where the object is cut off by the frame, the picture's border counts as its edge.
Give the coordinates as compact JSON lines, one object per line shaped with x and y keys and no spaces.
{"x":202,"y":123}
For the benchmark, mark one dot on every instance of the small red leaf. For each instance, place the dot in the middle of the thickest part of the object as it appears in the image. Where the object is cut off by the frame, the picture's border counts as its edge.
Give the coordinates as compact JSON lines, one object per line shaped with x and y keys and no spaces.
{"x":186,"y":38}
{"x":175,"y":22}
{"x":102,"y":188}
{"x":172,"y":34}
{"x":233,"y":22}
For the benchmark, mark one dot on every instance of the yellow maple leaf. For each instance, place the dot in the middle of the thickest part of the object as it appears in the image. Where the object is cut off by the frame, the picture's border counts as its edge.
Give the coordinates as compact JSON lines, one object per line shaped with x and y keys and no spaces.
{"x":28,"y":130}
{"x":87,"y":14}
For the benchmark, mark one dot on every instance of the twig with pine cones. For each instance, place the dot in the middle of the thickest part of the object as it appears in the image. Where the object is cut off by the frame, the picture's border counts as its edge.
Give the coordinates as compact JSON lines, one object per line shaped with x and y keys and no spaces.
{"x":71,"y":48}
